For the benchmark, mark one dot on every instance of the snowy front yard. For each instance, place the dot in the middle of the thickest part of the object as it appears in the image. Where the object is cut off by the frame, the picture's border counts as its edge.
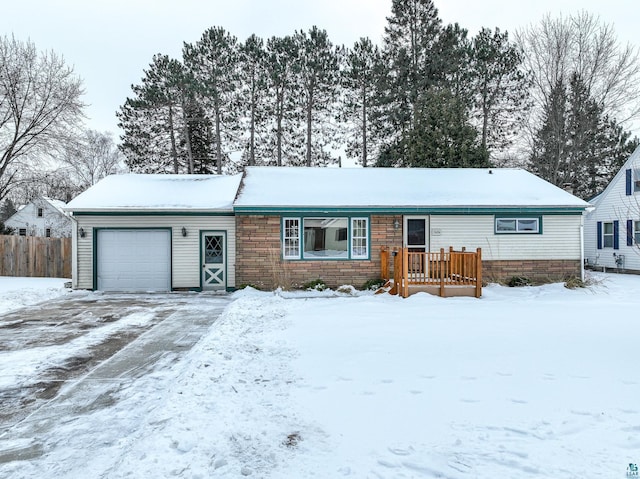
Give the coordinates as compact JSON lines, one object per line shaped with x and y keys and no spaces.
{"x":536,"y":381}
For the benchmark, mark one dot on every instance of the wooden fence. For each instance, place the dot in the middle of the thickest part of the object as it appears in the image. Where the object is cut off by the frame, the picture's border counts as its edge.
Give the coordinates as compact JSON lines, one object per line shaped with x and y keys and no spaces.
{"x":444,"y":273}
{"x":32,"y":256}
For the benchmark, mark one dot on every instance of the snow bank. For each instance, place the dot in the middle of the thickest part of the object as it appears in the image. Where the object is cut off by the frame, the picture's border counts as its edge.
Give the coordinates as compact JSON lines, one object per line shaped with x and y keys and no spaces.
{"x":17,"y":293}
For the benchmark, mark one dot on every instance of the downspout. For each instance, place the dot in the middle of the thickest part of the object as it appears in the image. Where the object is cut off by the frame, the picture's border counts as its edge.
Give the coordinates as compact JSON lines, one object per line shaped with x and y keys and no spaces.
{"x":74,"y":251}
{"x":582,"y":247}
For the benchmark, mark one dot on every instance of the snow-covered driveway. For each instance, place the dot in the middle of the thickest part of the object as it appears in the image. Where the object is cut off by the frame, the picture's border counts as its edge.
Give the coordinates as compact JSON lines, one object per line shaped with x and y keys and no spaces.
{"x":70,"y":356}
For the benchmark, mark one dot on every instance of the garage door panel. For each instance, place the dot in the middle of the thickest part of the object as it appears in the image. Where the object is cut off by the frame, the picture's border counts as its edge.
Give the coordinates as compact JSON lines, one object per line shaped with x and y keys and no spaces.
{"x":134,"y":260}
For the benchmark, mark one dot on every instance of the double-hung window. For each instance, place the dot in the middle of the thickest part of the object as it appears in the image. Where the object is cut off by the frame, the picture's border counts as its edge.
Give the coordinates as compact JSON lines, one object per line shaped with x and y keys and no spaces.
{"x":317,"y":238}
{"x":636,"y":233}
{"x":517,"y":225}
{"x":607,"y":235}
{"x":636,"y":180}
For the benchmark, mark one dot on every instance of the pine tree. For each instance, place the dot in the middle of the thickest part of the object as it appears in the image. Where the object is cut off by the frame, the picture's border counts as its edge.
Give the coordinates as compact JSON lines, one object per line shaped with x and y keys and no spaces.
{"x":155,"y":120}
{"x":283,"y":91}
{"x":253,"y":70}
{"x":213,"y":64}
{"x":360,"y":77}
{"x":318,"y":70}
{"x":500,"y":88}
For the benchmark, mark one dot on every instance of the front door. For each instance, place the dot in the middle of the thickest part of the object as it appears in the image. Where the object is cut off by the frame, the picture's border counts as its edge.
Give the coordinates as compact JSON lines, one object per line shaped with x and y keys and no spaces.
{"x":416,"y":240}
{"x":416,"y":236}
{"x":214,"y":260}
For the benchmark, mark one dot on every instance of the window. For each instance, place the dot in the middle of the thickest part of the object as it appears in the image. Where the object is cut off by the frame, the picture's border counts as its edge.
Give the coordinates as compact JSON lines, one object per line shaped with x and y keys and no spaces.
{"x":291,"y":238}
{"x":607,"y":235}
{"x":636,"y":233}
{"x":47,"y":233}
{"x":518,"y":225}
{"x":359,"y":238}
{"x":39,"y":212}
{"x":636,"y":180}
{"x":325,"y":238}
{"x":22,"y":231}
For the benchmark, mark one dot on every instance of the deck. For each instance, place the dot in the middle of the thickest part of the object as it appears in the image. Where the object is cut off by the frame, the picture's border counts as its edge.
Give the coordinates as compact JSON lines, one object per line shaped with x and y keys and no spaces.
{"x":443,"y":273}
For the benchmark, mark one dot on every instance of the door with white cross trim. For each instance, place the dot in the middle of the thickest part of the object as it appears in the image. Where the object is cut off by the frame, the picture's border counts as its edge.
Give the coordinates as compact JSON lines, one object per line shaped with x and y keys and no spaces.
{"x":214,"y":260}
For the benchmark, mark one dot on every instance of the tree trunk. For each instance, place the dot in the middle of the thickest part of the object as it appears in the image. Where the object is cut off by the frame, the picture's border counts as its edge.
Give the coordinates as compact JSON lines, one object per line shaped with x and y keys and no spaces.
{"x":187,"y":138}
{"x":172,"y":134}
{"x":218,"y":145}
{"x":309,"y":111}
{"x":364,"y":125}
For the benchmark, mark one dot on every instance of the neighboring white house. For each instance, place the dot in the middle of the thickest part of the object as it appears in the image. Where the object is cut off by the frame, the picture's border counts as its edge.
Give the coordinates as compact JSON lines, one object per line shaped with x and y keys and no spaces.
{"x":612,"y":229}
{"x":41,"y":217}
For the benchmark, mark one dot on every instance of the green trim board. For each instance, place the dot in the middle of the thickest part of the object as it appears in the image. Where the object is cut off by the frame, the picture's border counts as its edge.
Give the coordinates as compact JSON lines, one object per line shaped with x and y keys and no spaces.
{"x":367,"y":211}
{"x":94,"y":239}
{"x":152,"y":213}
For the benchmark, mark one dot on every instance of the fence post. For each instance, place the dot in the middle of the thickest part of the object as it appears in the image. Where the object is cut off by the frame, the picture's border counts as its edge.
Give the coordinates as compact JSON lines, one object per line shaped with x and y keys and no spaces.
{"x":442,"y":266}
{"x":405,"y":272}
{"x":478,"y":272}
{"x":384,"y":263}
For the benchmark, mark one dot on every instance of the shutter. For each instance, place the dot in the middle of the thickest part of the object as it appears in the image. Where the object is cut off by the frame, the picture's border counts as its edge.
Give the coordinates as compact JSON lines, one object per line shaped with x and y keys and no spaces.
{"x":616,"y":230}
{"x":599,"y":234}
{"x":628,"y":172}
{"x":629,"y":232}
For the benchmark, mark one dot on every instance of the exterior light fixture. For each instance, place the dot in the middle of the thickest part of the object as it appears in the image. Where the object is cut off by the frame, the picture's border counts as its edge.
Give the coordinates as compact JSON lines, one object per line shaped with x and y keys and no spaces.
{"x":396,"y":224}
{"x":184,"y":231}
{"x":82,"y":233}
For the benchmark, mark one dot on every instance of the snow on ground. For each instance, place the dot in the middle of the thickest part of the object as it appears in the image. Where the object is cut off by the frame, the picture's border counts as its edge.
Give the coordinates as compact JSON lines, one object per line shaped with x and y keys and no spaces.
{"x":525,"y":382}
{"x":16,"y":293}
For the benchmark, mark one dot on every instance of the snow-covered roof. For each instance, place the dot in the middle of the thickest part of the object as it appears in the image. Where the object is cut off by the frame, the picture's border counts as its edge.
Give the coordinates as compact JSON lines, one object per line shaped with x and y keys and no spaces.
{"x":57,"y":204}
{"x":271,"y":187}
{"x":133,"y":192}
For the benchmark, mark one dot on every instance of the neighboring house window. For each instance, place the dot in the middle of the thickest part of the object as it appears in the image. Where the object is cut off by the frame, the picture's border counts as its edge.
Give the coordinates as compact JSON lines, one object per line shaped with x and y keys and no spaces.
{"x":517,"y":225}
{"x":325,"y":238}
{"x":22,"y":231}
{"x":636,"y":180}
{"x":291,"y":238}
{"x":47,"y":232}
{"x":607,"y":235}
{"x":39,"y":212}
{"x":636,"y":233}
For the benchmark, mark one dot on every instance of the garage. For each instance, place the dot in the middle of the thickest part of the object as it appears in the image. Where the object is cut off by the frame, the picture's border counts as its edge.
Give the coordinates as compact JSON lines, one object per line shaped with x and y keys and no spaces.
{"x":131,"y":260}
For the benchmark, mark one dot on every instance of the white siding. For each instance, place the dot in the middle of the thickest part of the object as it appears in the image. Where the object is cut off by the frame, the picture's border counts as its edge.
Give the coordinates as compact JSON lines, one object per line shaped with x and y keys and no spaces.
{"x":185,"y":261}
{"x":613,"y":204}
{"x":27,"y":217}
{"x":560,"y":238}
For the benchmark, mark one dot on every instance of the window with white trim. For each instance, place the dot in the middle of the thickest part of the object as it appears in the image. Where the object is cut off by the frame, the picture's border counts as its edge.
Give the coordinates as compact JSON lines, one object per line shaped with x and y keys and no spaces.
{"x":47,"y":233}
{"x":291,"y":238}
{"x":22,"y":232}
{"x":607,"y":235}
{"x":325,"y":238}
{"x":517,"y":225}
{"x":359,"y":238}
{"x":636,"y":233}
{"x":40,"y":212}
{"x":636,"y":180}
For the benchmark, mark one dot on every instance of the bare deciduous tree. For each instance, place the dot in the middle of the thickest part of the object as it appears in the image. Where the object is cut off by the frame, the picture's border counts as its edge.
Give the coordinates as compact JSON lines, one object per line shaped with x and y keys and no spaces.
{"x":40,"y":105}
{"x":557,"y":48}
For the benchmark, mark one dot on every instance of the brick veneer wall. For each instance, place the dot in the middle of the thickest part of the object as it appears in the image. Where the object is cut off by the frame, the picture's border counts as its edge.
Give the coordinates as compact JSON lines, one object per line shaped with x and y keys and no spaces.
{"x":540,"y":271}
{"x":259,"y":255}
{"x":259,"y":259}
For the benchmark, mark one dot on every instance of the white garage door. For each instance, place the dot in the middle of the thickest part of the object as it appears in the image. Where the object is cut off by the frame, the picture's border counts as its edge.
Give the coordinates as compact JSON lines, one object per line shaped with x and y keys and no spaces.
{"x":134,"y":260}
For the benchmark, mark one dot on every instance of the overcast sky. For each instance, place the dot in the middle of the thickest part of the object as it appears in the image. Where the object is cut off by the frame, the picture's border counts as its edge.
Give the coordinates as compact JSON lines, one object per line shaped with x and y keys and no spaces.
{"x":110,"y":43}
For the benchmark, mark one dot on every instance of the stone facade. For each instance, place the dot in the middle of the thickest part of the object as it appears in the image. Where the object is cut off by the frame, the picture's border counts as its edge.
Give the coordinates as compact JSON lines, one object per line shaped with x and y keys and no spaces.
{"x":538,"y":271}
{"x":259,"y":255}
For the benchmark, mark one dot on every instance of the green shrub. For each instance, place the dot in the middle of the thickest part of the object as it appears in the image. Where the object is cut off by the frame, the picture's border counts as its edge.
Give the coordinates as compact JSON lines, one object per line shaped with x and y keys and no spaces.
{"x":373,"y":284}
{"x":517,"y":281}
{"x":315,"y":285}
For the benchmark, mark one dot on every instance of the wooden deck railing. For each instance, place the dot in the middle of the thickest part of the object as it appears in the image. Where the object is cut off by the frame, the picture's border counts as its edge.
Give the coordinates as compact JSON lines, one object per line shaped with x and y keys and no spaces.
{"x":443,"y":269}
